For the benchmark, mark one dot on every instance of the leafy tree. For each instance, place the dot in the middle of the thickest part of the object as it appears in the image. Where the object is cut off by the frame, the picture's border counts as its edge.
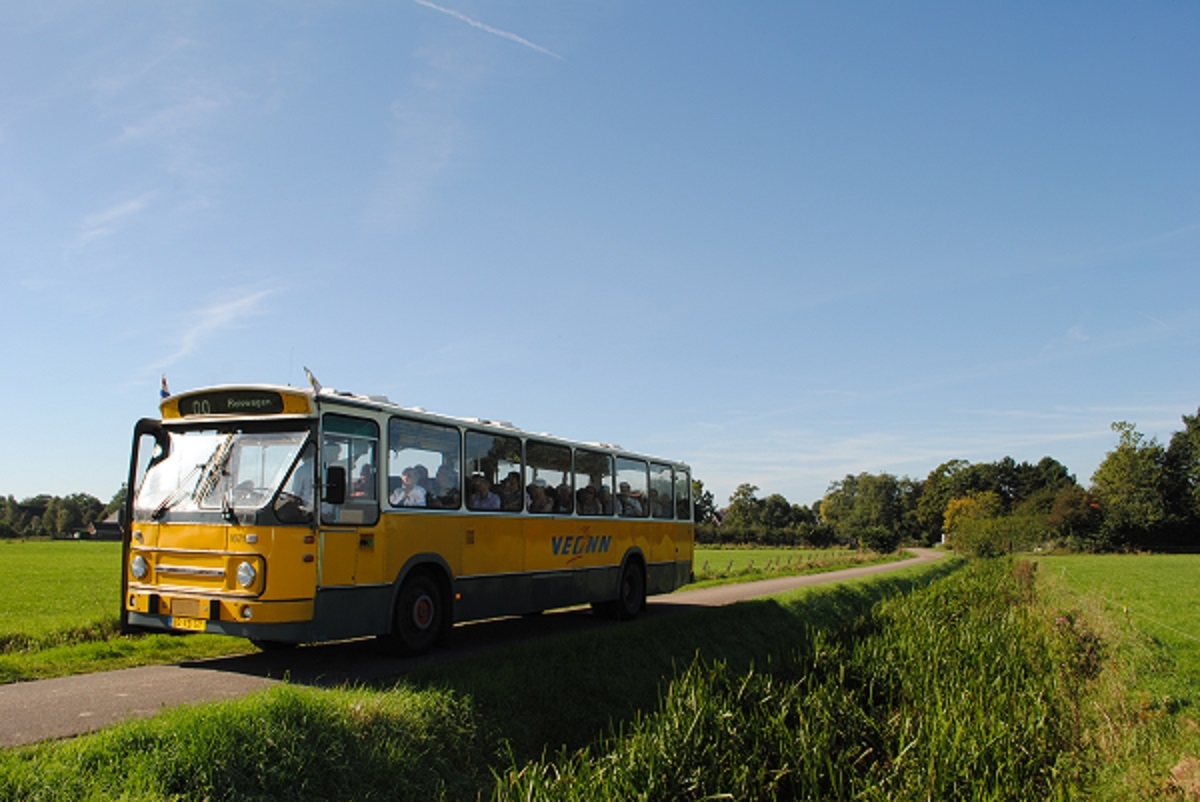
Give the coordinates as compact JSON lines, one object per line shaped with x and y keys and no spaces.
{"x":1183,"y":472}
{"x":1074,"y":517}
{"x":775,"y":513}
{"x":1131,"y":485}
{"x":940,"y":486}
{"x":744,"y":512}
{"x":866,"y":507}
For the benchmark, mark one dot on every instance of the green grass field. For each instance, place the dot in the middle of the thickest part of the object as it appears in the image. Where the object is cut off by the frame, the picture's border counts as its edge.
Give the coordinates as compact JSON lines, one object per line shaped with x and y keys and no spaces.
{"x":54,"y":587}
{"x":1157,"y":594}
{"x":60,"y":612}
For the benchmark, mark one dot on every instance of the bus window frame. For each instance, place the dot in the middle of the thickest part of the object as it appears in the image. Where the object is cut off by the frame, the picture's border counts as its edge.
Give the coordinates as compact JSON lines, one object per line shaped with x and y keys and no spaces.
{"x":332,"y":512}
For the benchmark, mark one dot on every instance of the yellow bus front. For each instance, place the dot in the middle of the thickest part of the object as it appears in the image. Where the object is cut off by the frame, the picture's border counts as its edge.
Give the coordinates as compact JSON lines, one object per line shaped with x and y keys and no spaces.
{"x":222,"y":535}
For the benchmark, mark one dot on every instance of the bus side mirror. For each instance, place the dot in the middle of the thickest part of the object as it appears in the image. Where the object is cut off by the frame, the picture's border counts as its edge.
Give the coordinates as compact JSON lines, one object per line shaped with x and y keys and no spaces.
{"x":335,"y":485}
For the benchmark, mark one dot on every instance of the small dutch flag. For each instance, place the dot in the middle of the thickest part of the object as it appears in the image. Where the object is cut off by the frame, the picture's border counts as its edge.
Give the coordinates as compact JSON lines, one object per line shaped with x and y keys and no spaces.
{"x":165,"y":392}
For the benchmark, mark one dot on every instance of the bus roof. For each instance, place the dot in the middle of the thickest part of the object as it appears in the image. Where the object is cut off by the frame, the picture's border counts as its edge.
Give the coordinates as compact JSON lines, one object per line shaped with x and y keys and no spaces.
{"x":250,"y":401}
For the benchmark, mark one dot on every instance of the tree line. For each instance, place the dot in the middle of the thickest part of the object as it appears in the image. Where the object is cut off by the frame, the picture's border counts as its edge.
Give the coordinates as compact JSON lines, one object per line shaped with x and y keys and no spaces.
{"x":1143,"y":496}
{"x":53,"y":516}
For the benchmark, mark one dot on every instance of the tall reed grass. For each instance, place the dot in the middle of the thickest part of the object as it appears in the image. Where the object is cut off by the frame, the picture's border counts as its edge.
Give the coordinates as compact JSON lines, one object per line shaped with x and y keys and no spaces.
{"x":964,"y":690}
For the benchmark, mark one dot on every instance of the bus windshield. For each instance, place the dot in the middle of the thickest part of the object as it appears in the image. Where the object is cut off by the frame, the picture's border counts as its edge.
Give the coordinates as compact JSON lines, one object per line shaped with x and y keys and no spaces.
{"x":217,"y":471}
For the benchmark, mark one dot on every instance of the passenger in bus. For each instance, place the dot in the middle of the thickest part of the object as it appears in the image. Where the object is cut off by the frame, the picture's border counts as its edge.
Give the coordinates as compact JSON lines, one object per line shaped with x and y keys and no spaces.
{"x":446,"y":492}
{"x":660,"y":504}
{"x":589,"y":503}
{"x":607,"y":503}
{"x":562,"y":498}
{"x":539,"y":499}
{"x":364,"y":485}
{"x":631,"y":505}
{"x":409,"y":494}
{"x":510,"y":493}
{"x":482,"y":497}
{"x":423,"y":479}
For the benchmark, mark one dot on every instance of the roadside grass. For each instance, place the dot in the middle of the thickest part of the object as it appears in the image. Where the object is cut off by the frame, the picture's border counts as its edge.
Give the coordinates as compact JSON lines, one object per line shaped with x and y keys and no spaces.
{"x":727,"y":564}
{"x":964,"y":690}
{"x":446,"y":732}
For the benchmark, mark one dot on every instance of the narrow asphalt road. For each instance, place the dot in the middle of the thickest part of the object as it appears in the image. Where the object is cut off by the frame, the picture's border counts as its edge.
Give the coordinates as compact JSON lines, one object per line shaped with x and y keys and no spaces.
{"x":69,"y":706}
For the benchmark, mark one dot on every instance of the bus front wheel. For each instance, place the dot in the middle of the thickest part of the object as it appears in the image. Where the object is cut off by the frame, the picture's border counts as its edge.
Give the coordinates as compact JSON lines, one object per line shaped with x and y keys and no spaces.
{"x":418,"y":618}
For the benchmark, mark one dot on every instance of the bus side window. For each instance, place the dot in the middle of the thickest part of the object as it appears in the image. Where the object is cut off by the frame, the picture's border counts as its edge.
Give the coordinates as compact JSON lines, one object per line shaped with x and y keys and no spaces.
{"x":593,"y":482}
{"x":548,"y":478}
{"x":631,"y":488}
{"x":661,"y":505}
{"x":423,"y":465}
{"x":683,"y":495}
{"x":494,"y":462}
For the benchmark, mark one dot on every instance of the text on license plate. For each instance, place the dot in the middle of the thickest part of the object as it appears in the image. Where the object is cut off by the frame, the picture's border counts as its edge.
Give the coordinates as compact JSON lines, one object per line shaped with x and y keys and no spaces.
{"x":190,"y":624}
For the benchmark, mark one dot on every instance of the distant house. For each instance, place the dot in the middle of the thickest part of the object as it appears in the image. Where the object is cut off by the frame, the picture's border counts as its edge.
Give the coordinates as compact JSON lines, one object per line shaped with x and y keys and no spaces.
{"x":108,"y":529}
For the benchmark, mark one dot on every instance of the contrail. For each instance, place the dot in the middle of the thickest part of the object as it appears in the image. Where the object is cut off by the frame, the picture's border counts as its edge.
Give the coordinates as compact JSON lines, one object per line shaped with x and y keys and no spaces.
{"x":488,"y":28}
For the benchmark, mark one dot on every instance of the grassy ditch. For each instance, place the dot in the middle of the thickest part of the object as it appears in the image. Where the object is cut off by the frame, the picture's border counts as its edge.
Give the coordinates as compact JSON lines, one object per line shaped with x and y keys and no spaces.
{"x":965,"y":690}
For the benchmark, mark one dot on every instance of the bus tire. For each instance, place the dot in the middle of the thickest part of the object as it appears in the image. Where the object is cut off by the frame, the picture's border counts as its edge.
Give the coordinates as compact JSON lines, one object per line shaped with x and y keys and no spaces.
{"x":632,"y":595}
{"x":632,"y":598}
{"x":418,"y":619}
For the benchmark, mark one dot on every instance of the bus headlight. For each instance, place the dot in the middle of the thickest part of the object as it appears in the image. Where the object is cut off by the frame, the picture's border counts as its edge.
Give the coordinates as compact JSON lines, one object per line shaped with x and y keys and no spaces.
{"x":139,"y":567}
{"x":246,"y":575}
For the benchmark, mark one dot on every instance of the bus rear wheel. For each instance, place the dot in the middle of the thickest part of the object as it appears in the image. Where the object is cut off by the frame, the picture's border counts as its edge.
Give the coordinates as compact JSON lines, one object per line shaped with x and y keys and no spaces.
{"x":418,"y":619}
{"x":632,"y":595}
{"x":633,"y":592}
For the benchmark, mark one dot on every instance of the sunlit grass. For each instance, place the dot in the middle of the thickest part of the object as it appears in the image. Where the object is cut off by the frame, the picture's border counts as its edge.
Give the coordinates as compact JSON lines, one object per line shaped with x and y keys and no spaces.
{"x":718,"y":565}
{"x":55,"y":587}
{"x":1159,"y":594}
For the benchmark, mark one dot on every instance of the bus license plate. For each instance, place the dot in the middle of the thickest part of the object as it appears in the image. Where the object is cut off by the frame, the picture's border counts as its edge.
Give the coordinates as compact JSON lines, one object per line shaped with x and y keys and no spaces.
{"x":190,"y":624}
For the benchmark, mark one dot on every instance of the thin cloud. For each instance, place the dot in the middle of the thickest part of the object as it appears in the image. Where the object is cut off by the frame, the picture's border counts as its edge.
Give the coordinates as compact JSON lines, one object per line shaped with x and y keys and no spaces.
{"x":210,"y":321}
{"x":107,"y":221}
{"x":474,"y":23}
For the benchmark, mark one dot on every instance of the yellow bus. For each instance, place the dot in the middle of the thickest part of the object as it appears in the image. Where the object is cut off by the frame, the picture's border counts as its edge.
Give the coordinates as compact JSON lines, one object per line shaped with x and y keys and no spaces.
{"x":290,"y":515}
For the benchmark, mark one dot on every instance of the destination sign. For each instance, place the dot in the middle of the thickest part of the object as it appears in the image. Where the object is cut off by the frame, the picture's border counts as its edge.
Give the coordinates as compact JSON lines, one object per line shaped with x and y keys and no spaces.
{"x":231,"y":402}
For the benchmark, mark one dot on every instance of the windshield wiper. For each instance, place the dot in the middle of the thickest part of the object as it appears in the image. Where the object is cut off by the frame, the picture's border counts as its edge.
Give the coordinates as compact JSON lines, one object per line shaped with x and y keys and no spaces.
{"x":175,"y":496}
{"x":213,"y":469}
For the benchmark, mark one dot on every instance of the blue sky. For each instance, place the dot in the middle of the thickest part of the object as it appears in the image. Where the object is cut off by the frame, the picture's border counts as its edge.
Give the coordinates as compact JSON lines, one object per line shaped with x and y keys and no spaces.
{"x":781,"y":241}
